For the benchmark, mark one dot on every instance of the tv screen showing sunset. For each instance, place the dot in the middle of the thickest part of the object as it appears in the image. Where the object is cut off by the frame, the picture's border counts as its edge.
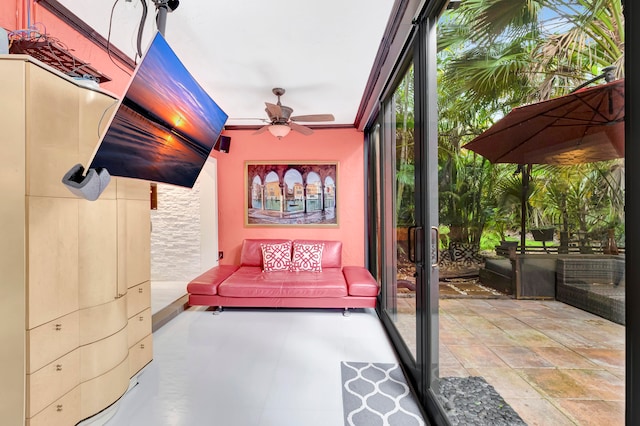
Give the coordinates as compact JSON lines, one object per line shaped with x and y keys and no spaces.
{"x":165,"y":126}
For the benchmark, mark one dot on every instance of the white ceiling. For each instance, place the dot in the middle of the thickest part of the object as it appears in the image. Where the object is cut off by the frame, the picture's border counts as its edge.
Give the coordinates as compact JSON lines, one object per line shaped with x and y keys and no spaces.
{"x":321,"y":52}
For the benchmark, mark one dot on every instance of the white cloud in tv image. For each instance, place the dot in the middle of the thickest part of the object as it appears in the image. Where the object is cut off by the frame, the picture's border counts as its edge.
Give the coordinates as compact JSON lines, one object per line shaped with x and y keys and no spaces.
{"x":165,"y":126}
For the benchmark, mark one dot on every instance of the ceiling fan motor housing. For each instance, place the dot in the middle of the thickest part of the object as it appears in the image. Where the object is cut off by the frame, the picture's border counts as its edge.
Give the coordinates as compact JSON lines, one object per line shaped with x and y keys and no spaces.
{"x":280,"y":116}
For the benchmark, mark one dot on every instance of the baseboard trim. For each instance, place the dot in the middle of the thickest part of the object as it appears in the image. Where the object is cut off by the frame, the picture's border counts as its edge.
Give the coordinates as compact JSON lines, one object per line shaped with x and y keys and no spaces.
{"x":167,"y":313}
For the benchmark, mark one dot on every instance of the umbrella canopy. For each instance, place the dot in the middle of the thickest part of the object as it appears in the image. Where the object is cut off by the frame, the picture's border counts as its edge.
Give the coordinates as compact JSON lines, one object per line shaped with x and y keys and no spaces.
{"x":582,"y":127}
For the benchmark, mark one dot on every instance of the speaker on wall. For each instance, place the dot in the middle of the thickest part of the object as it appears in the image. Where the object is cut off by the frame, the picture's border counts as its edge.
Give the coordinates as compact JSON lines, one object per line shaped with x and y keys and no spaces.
{"x":223,"y":144}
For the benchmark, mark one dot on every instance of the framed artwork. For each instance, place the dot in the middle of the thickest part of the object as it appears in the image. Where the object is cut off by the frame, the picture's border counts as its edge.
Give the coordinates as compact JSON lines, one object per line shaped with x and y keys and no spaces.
{"x":291,"y":194}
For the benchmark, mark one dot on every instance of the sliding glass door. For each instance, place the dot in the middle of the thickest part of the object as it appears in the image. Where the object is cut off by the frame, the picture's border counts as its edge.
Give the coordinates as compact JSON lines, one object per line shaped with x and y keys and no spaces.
{"x":401,"y":219}
{"x":402,"y":179}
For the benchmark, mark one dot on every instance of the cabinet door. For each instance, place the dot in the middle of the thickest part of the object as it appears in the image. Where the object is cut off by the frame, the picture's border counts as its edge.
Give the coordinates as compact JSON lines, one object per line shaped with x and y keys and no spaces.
{"x":98,"y":257}
{"x":52,"y":290}
{"x":52,"y":139}
{"x":134,"y":240}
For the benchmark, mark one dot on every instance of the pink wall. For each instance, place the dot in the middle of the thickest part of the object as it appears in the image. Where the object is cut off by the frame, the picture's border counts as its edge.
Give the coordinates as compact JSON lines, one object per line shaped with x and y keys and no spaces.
{"x":13,"y":16}
{"x":344,"y":146}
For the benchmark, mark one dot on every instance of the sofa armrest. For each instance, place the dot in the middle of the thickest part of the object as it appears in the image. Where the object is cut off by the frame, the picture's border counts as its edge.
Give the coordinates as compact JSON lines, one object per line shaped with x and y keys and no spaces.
{"x":360,"y":282}
{"x":207,"y":282}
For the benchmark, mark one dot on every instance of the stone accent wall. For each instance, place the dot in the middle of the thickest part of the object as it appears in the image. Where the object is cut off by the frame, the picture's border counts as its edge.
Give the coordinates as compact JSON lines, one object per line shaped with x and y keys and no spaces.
{"x":175,"y":236}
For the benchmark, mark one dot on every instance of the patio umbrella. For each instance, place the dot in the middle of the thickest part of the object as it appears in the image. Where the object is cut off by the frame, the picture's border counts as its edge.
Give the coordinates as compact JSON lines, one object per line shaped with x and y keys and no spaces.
{"x":581,"y":127}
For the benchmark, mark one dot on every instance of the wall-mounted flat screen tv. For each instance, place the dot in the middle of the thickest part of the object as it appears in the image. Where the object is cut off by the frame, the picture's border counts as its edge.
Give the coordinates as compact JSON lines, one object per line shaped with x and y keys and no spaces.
{"x":165,"y":125}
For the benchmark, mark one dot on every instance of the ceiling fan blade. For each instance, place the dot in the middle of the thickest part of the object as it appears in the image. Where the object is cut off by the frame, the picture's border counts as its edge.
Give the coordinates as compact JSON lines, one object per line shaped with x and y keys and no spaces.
{"x":314,"y":117}
{"x":273,"y":110}
{"x":302,"y":129}
{"x":262,"y":129}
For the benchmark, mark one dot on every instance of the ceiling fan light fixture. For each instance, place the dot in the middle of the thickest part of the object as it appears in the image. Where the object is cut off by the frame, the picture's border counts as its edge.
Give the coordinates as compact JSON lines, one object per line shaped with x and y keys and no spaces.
{"x":279,"y":130}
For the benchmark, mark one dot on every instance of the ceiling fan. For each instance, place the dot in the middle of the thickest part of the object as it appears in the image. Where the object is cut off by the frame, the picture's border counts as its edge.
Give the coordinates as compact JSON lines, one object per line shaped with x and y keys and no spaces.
{"x":281,"y":121}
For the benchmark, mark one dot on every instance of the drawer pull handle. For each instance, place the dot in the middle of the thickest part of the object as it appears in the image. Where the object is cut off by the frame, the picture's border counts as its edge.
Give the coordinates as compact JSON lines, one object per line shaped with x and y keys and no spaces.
{"x":141,"y":345}
{"x":140,"y":290}
{"x":58,"y":327}
{"x":59,"y":407}
{"x":141,"y":318}
{"x":58,"y":367}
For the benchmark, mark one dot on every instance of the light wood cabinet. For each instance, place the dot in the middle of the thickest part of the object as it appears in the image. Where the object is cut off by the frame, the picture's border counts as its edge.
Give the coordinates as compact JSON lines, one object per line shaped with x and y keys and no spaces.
{"x":67,"y":264}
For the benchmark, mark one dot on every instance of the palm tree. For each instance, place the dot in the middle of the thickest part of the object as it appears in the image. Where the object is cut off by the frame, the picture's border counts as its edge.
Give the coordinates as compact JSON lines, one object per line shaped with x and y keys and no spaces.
{"x":498,"y":54}
{"x":519,"y":51}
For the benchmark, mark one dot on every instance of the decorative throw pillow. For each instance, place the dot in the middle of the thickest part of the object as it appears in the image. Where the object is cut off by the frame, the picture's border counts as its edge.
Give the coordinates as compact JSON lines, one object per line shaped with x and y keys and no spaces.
{"x":307,"y":257}
{"x":276,"y":257}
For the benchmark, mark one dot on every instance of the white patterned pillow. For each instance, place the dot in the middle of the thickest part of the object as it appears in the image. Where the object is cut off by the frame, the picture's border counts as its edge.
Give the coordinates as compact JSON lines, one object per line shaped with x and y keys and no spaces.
{"x":307,"y":257}
{"x":276,"y":257}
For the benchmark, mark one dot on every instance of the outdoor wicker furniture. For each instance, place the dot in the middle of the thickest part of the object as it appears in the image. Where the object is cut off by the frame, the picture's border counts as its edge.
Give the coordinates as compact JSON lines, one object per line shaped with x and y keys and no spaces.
{"x":594,"y":283}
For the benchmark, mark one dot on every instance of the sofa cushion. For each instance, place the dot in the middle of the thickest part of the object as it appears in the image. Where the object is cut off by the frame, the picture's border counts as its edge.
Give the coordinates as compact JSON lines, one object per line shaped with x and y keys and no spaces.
{"x":276,"y":256}
{"x":306,"y":257}
{"x":331,"y":253}
{"x":207,"y":282}
{"x":251,"y":281}
{"x":251,"y":253}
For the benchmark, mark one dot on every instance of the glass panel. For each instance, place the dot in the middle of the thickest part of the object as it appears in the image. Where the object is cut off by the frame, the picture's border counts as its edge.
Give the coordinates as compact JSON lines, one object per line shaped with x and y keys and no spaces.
{"x":532,"y":299}
{"x":401,"y":285}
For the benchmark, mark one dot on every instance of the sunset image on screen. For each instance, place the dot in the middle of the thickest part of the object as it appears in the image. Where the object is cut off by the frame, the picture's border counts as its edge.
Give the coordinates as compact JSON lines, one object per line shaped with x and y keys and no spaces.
{"x":165,"y":126}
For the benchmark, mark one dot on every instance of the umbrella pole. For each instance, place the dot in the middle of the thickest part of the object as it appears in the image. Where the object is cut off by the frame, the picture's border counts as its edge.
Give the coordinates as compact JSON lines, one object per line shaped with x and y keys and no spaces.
{"x":523,"y":206}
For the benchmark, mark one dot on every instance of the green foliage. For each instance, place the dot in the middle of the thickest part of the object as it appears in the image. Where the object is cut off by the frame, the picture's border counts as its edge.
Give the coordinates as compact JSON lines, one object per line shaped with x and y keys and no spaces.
{"x":494,"y":55}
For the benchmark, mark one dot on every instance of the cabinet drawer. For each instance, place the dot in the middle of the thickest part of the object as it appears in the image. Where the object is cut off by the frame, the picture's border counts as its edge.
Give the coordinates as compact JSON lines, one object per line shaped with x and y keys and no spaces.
{"x":63,"y":412}
{"x":52,"y":340}
{"x":138,"y":298}
{"x":52,"y":381}
{"x":139,"y":326}
{"x":99,"y":357}
{"x":140,"y":354}
{"x":103,"y":320}
{"x":104,"y":390}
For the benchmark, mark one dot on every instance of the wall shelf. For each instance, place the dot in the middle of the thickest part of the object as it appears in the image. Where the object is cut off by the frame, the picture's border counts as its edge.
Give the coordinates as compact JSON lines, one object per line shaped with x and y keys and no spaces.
{"x":55,"y":56}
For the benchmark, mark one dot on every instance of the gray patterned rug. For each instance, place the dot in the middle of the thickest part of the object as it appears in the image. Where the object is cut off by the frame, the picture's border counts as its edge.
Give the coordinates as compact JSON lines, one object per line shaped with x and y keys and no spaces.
{"x":377,"y":394}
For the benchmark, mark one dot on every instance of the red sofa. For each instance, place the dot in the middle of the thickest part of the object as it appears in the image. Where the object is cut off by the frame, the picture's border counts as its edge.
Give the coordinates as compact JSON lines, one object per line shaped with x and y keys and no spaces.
{"x":248,"y":285}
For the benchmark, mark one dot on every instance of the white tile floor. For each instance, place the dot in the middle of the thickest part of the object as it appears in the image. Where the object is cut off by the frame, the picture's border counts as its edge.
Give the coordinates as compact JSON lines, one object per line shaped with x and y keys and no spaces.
{"x":252,"y":367}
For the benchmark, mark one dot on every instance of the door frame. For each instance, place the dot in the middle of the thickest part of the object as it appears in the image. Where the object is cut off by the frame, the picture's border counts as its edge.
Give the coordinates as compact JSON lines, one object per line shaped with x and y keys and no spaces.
{"x":423,"y":372}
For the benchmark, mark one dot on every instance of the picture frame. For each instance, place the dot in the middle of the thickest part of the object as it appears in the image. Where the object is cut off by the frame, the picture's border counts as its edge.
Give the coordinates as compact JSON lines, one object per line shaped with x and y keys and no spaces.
{"x":291,"y":194}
